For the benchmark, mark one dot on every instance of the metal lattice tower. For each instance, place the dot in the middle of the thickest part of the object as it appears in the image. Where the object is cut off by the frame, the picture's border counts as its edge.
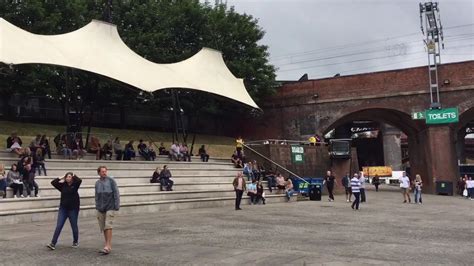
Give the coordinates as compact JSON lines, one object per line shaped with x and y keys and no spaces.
{"x":431,"y":26}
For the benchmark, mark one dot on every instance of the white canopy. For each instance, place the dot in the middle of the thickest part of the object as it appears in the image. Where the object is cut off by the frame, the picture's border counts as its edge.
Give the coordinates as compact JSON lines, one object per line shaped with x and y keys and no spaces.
{"x":97,"y":47}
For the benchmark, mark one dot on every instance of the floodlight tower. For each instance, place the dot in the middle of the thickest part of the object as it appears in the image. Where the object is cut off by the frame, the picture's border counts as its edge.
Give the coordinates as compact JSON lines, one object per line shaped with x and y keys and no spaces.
{"x":430,"y":18}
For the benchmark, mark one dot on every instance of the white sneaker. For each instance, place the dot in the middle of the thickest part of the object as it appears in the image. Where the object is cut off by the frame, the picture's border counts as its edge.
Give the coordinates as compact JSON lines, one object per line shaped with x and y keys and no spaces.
{"x":38,"y":196}
{"x":21,"y":196}
{"x":14,"y":196}
{"x":347,"y":200}
{"x":28,"y":196}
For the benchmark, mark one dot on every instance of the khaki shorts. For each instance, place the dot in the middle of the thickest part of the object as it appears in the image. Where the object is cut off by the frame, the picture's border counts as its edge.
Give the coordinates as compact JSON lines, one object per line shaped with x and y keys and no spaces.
{"x":106,"y":220}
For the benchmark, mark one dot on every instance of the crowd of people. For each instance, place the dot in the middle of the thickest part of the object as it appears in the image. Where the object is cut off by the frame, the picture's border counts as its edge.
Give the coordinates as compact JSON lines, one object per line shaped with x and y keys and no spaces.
{"x":255,"y":189}
{"x":355,"y":187}
{"x":71,"y":146}
{"x":20,"y":178}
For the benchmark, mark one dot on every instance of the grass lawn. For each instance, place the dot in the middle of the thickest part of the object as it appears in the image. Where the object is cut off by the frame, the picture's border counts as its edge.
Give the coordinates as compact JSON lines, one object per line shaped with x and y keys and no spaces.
{"x":217,"y":146}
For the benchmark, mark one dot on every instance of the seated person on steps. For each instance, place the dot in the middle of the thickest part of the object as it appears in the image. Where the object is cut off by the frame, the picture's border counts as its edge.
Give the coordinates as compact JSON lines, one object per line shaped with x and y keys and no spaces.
{"x":162,"y":150}
{"x":95,"y":147}
{"x":203,"y":154}
{"x":165,"y":179}
{"x":175,"y":153}
{"x":281,"y":182}
{"x":252,"y":191}
{"x":78,"y":148}
{"x":106,"y":152}
{"x":183,"y":149}
{"x":236,"y":160}
{"x":155,"y":178}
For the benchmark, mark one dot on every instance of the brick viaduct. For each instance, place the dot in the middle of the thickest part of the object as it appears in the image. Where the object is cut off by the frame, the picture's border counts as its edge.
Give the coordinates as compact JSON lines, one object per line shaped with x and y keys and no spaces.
{"x":303,"y":108}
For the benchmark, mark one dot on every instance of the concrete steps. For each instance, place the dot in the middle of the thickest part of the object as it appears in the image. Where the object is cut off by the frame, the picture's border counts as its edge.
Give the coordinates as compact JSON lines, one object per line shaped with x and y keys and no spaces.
{"x":60,"y":171}
{"x":122,"y":164}
{"x":50,"y":214}
{"x":91,"y":157}
{"x":45,"y":181}
{"x":197,"y":185}
{"x":88,"y":190}
{"x":53,"y":201}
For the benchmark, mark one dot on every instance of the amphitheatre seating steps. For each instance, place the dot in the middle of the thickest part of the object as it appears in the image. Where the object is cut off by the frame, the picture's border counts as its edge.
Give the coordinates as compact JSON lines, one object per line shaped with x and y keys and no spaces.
{"x":50,"y":214}
{"x":44,"y":181}
{"x":197,"y":185}
{"x":53,"y":201}
{"x":91,"y":157}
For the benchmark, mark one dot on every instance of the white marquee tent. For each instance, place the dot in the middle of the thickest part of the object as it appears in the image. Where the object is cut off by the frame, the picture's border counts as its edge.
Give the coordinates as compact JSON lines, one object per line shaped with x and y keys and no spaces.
{"x":98,"y":48}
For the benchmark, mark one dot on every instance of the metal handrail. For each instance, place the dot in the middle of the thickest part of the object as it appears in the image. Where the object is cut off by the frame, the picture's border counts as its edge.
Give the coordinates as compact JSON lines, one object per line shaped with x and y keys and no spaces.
{"x":280,"y":141}
{"x":275,"y":163}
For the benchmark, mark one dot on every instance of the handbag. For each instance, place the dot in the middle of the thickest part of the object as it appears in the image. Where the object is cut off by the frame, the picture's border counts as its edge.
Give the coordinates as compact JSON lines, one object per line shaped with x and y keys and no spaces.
{"x":464,"y":193}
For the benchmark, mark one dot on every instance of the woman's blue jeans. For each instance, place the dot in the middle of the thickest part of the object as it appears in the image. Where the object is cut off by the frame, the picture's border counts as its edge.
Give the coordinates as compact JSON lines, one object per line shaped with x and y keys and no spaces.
{"x":417,"y":195}
{"x":63,"y":215}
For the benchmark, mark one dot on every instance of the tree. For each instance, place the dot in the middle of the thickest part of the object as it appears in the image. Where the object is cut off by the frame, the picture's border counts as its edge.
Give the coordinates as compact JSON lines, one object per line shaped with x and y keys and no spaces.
{"x":160,"y":31}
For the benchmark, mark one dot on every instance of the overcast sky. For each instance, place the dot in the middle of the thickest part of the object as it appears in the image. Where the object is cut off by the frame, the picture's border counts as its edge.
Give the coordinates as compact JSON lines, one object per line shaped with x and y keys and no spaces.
{"x":326,"y":37}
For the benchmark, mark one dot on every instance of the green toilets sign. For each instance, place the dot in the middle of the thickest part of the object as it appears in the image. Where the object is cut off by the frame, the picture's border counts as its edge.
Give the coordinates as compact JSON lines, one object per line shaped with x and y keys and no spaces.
{"x":442,"y":116}
{"x":438,"y":116}
{"x":297,"y":154}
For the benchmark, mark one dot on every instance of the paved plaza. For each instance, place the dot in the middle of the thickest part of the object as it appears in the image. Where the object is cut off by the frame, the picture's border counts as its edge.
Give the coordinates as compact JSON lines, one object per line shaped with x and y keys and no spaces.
{"x":384,"y":231}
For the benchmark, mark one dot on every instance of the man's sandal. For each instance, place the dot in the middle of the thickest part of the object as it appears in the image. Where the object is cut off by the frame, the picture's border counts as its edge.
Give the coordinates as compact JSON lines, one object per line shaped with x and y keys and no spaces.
{"x":104,"y":251}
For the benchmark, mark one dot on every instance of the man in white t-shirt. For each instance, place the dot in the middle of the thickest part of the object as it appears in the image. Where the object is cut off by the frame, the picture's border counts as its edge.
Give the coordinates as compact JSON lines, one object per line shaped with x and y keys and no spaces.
{"x":405,"y":187}
{"x":470,"y":188}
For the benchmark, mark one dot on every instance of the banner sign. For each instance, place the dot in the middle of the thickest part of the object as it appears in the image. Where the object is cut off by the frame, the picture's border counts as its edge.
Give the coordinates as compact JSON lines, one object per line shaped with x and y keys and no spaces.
{"x":377,"y":170}
{"x":442,"y":116}
{"x":297,"y":154}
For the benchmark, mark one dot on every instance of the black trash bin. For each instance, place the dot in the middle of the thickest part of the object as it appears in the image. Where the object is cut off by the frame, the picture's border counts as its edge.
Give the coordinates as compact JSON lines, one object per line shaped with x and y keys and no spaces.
{"x":315,"y":192}
{"x":444,"y":188}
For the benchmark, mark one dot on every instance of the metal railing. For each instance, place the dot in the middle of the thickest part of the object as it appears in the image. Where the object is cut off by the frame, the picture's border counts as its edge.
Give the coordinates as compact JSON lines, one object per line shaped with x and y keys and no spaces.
{"x":275,"y":163}
{"x":282,"y":142}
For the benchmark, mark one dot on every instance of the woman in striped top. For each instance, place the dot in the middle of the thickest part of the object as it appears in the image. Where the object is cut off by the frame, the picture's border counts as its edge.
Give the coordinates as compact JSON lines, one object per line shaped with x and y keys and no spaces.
{"x":355,"y":186}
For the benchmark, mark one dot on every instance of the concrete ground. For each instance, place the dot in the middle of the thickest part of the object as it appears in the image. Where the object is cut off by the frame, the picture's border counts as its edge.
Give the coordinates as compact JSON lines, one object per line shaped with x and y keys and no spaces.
{"x":384,"y":231}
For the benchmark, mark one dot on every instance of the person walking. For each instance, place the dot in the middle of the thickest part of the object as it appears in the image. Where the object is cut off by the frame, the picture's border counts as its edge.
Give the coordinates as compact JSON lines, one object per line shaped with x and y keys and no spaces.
{"x":355,"y":188}
{"x":362,"y":187}
{"x":376,"y":182}
{"x":289,"y":189}
{"x":329,"y":180}
{"x":68,"y":185}
{"x":417,"y":190}
{"x":470,"y":188}
{"x":239,"y":188}
{"x":405,"y":187}
{"x":107,"y":202}
{"x":346,"y":182}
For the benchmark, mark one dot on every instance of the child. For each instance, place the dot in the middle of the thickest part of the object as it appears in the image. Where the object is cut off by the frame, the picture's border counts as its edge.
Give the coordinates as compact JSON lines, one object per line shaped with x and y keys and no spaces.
{"x":39,"y":161}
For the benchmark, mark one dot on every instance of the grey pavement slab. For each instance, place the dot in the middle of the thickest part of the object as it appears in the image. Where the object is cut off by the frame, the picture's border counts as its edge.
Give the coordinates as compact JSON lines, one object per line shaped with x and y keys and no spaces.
{"x":384,"y":232}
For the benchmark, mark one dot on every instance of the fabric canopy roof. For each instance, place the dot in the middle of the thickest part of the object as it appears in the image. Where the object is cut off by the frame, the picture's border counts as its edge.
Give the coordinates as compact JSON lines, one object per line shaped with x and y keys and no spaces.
{"x":97,"y":47}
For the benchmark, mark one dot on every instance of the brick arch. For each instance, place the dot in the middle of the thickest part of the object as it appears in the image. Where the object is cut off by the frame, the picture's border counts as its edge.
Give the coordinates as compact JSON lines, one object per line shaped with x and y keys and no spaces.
{"x":466,"y":113}
{"x":394,"y":117}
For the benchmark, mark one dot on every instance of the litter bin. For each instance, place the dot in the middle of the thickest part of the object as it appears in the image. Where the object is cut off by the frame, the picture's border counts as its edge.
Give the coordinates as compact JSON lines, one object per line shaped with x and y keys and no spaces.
{"x":315,"y":192}
{"x":444,"y":188}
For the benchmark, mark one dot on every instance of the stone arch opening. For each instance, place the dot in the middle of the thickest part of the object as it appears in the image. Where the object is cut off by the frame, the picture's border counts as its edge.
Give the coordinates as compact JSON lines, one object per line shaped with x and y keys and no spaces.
{"x":464,"y":137}
{"x":396,"y":135}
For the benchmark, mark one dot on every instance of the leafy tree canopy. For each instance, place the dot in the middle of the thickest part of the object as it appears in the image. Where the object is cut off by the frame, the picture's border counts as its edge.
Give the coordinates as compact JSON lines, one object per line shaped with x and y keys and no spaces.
{"x":162,"y":31}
